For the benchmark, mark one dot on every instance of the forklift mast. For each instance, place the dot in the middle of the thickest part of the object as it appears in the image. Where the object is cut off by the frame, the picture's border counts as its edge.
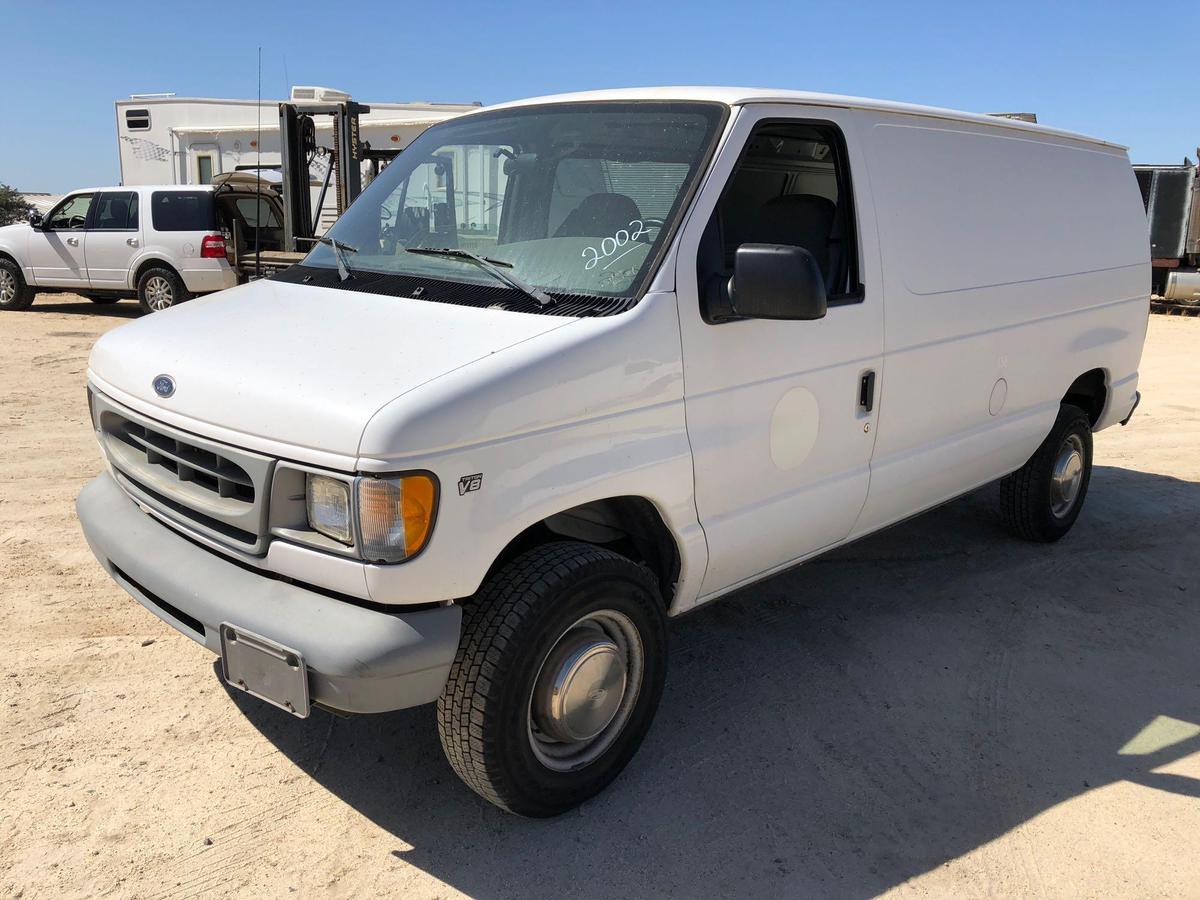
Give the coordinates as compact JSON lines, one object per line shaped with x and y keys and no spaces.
{"x":298,"y":146}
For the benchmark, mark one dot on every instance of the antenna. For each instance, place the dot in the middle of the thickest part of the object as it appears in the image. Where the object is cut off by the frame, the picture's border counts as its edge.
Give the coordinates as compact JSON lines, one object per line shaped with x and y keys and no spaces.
{"x":258,"y":210}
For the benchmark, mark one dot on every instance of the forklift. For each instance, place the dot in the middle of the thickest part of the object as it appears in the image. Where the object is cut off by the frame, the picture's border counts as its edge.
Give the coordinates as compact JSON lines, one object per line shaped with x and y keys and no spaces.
{"x":298,"y":151}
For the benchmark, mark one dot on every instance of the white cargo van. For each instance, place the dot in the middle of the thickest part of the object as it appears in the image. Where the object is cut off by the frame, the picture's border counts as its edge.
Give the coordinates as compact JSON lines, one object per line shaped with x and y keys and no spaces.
{"x":572,"y":366}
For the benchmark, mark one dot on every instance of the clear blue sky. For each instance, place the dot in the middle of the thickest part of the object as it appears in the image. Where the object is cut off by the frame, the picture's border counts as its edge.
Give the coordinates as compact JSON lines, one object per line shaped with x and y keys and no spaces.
{"x":1120,"y":71}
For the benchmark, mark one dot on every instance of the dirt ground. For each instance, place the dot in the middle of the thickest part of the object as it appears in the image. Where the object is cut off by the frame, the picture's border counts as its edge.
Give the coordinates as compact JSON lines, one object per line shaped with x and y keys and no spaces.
{"x":939,"y":710}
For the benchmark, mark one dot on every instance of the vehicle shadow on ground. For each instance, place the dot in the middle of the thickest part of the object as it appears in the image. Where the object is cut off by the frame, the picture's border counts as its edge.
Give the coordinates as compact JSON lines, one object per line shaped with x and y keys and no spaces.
{"x":848,"y":725}
{"x":57,"y":303}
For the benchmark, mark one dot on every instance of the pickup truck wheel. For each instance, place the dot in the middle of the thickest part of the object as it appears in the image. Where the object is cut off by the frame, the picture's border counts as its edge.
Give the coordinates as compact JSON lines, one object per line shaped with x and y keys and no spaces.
{"x":160,"y":289}
{"x":15,"y":294}
{"x":558,"y":674}
{"x":1042,"y":499}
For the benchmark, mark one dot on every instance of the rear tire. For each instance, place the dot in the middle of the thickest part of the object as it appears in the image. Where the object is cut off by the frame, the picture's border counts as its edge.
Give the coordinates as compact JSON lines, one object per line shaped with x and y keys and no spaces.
{"x":161,"y":288}
{"x":1042,"y":499}
{"x":558,"y":674}
{"x":15,"y":294}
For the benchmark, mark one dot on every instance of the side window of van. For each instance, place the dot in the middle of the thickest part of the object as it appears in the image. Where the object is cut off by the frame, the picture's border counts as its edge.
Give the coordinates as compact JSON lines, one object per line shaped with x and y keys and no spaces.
{"x":791,"y":186}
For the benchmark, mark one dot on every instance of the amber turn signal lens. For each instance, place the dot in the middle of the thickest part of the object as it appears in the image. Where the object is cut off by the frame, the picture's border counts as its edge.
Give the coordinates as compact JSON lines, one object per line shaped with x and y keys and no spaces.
{"x":395,"y":515}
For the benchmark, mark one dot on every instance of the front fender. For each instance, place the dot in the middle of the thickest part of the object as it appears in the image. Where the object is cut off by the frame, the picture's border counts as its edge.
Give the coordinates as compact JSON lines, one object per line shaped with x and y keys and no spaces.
{"x":582,"y":413}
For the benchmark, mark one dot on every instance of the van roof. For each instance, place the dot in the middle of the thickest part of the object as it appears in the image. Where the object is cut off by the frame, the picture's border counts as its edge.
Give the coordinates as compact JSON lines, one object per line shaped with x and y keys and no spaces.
{"x":735,"y":96}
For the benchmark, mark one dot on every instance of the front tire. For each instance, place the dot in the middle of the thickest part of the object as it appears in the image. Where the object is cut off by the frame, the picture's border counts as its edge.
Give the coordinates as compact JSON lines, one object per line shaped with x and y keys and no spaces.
{"x":161,"y":288}
{"x":15,"y":294}
{"x":558,"y":674}
{"x":1042,"y":499}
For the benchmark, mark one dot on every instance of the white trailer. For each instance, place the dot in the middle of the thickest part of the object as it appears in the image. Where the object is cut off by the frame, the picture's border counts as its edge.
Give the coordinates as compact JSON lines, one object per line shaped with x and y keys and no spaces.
{"x":164,"y":139}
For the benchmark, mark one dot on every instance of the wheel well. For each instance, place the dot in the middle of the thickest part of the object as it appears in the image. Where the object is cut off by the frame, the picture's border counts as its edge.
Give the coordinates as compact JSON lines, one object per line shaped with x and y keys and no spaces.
{"x":631,"y":526}
{"x":10,"y":258}
{"x":151,"y":264}
{"x":1089,"y":392}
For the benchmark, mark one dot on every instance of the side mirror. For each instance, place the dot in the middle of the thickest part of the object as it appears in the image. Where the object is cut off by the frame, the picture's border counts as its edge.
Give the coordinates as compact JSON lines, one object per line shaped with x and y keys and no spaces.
{"x":776,"y":281}
{"x":35,"y":221}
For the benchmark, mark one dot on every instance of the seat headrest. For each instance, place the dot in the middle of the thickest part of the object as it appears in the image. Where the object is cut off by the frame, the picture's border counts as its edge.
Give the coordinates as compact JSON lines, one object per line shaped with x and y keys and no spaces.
{"x":599,"y":215}
{"x":791,"y":217}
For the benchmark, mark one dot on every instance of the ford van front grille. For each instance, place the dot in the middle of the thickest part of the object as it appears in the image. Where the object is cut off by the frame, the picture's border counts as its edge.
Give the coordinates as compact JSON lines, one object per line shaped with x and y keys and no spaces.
{"x":216,"y":490}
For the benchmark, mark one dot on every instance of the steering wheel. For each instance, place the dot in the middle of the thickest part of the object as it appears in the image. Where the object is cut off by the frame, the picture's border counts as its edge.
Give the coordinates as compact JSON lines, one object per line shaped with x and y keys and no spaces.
{"x":385,"y":214}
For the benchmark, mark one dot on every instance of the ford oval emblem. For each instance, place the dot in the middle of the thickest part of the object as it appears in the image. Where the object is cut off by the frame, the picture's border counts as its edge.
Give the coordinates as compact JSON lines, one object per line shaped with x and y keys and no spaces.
{"x":164,"y":385}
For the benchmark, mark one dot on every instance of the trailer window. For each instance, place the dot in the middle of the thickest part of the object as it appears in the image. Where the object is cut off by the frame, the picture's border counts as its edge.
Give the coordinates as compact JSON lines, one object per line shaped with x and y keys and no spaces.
{"x":183,"y":211}
{"x":137,"y":119}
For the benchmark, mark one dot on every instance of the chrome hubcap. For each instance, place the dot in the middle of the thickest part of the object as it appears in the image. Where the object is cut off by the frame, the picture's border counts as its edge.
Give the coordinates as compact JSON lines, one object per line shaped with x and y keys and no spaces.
{"x":585,"y":690}
{"x":8,"y":286}
{"x":1067,"y":477}
{"x":158,"y":293}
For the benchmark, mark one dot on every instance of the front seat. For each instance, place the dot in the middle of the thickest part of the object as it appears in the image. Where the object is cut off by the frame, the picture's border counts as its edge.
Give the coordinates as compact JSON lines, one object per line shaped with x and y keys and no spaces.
{"x":798,"y":220}
{"x":599,"y":215}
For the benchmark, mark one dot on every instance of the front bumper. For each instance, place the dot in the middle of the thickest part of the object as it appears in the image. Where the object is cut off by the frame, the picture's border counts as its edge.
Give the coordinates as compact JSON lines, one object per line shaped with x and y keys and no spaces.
{"x":359,"y":660}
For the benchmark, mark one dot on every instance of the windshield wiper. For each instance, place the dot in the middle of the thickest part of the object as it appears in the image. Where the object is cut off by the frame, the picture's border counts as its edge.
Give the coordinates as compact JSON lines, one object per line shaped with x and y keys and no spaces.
{"x":492,"y":267}
{"x":339,"y":251}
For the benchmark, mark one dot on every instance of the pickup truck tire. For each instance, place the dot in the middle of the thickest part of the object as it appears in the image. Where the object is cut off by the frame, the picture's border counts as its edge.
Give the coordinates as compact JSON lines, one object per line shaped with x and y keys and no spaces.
{"x":15,"y":294}
{"x":1042,"y":499}
{"x":161,"y":288}
{"x":516,"y":723}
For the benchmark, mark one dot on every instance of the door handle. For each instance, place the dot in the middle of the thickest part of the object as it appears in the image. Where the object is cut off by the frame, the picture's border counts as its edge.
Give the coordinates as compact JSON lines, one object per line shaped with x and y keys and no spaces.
{"x":866,"y":391}
{"x":132,"y":242}
{"x":74,"y":242}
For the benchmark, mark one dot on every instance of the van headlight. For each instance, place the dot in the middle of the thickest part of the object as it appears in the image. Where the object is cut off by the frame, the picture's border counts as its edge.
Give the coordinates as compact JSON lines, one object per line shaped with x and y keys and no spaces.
{"x":328,"y":503}
{"x":394,"y":513}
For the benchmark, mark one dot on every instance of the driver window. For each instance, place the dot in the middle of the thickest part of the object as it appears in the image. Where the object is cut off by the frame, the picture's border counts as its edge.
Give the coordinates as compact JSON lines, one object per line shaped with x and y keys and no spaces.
{"x":791,"y":186}
{"x":70,"y":215}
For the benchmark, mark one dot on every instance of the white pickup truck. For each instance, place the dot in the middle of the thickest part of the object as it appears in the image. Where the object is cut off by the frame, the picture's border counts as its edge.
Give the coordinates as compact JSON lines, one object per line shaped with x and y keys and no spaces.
{"x":572,"y":366}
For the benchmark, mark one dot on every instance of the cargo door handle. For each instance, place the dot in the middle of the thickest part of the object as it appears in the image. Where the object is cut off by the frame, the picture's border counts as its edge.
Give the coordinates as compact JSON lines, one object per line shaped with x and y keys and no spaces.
{"x":866,"y":391}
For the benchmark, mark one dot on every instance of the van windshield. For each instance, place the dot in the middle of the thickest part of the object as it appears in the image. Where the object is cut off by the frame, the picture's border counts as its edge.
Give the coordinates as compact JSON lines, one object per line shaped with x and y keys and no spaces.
{"x":574,"y":199}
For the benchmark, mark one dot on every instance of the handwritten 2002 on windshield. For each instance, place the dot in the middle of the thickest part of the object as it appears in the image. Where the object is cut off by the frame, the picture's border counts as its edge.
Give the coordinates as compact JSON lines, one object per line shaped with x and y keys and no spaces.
{"x":610,"y":245}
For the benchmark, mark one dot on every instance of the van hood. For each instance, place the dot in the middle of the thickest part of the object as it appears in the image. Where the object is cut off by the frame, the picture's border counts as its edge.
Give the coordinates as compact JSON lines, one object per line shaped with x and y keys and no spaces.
{"x":305,"y":366}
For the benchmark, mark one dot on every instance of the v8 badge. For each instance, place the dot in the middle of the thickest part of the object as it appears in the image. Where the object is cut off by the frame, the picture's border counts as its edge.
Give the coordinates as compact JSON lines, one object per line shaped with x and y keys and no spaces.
{"x":469,"y":483}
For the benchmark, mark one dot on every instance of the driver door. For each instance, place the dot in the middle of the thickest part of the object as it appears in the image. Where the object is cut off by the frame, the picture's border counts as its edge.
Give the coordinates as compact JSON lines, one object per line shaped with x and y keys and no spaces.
{"x":56,"y":251}
{"x":781,"y":413}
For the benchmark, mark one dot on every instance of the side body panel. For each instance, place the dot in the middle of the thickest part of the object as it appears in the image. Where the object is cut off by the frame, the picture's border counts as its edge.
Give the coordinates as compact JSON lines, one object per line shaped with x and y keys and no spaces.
{"x":57,"y":258}
{"x":1012,"y":265}
{"x":781,"y":447}
{"x":110,"y":251}
{"x":181,"y":250}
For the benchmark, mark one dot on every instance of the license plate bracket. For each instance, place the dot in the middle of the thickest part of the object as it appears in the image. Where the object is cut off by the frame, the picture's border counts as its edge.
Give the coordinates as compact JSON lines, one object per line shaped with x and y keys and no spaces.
{"x":265,"y":669}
